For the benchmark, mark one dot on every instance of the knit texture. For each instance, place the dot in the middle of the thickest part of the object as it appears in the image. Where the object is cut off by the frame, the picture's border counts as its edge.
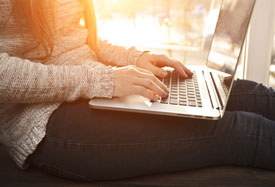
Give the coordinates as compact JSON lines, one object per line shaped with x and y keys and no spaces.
{"x":30,"y":91}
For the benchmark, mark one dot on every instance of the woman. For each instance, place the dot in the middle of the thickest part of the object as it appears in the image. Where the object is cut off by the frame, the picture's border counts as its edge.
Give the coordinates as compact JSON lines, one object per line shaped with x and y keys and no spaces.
{"x":50,"y":67}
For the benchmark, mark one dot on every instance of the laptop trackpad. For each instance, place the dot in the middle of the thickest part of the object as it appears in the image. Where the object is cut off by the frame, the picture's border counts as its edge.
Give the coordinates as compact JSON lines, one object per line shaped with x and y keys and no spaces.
{"x":135,"y":100}
{"x":129,"y":101}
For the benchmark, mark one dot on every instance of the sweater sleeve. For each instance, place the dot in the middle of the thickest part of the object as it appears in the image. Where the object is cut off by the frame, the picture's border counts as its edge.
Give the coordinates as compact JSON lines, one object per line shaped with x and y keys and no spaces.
{"x":23,"y":81}
{"x":117,"y":55}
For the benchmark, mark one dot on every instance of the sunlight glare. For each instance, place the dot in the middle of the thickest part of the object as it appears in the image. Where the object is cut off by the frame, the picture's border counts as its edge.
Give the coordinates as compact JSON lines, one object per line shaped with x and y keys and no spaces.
{"x":168,"y":26}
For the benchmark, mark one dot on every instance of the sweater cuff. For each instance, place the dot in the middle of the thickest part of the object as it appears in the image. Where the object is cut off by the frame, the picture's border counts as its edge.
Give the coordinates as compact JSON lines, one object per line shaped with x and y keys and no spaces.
{"x":102,"y":84}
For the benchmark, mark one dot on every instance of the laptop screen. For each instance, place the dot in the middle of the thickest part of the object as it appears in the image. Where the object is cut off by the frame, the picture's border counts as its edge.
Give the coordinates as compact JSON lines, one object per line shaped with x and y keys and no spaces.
{"x":230,"y":35}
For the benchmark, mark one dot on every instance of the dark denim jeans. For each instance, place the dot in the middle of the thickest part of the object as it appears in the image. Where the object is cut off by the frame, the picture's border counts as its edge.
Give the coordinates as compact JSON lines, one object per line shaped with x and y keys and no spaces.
{"x":86,"y":144}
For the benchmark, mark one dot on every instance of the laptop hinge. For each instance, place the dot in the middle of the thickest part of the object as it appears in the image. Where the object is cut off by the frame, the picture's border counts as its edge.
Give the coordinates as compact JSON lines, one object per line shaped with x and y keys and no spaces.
{"x":211,"y":91}
{"x":217,"y":91}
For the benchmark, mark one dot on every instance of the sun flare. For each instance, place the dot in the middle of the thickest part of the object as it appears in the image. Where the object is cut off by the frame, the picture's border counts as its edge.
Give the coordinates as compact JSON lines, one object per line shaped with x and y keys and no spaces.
{"x":173,"y":27}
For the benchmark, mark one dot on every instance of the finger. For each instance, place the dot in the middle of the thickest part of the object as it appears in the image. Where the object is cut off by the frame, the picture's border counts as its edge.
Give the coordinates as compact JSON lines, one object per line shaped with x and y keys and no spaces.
{"x":143,"y":73}
{"x":186,"y":70}
{"x":139,"y":90}
{"x":227,"y":80}
{"x":153,"y":78}
{"x":173,"y":63}
{"x":179,"y":69}
{"x":151,"y":85}
{"x":157,"y":71}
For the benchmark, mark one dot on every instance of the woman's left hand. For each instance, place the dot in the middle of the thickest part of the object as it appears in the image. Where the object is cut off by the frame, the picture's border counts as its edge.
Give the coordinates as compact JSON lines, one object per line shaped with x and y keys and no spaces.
{"x":154,"y":63}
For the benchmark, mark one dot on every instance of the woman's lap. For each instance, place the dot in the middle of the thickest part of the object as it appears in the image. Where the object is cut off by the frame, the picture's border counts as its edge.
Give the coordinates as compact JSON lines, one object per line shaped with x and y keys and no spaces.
{"x":96,"y":145}
{"x":252,"y":97}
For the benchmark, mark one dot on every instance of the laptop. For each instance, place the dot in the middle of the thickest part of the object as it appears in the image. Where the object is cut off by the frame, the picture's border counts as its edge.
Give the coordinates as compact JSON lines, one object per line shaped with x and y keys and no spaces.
{"x":205,"y":95}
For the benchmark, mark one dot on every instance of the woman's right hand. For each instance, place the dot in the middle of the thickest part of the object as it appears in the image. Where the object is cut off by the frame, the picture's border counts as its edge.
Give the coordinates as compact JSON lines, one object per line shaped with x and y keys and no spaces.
{"x":131,"y":80}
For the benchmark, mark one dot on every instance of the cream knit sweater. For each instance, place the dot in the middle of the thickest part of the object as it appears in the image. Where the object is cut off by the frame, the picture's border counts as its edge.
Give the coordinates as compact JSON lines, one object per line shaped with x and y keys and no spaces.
{"x":30,"y":91}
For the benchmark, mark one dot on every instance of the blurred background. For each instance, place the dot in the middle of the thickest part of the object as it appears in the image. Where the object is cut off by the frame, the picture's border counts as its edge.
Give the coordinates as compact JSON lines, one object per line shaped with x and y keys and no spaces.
{"x":177,"y":28}
{"x":272,"y":66}
{"x":181,"y":29}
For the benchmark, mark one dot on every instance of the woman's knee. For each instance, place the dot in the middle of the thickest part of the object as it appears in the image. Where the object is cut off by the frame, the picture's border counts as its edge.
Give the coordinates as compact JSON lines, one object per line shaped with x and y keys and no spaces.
{"x":238,"y":123}
{"x":250,"y":87}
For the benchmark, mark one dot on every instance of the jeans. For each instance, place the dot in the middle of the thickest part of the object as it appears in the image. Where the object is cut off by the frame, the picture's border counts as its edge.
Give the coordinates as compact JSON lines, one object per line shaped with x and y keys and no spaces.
{"x":87,"y":144}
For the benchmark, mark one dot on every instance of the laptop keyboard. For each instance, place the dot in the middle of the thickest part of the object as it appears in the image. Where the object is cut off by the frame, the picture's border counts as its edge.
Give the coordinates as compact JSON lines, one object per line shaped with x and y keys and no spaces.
{"x":225,"y":88}
{"x":183,"y":92}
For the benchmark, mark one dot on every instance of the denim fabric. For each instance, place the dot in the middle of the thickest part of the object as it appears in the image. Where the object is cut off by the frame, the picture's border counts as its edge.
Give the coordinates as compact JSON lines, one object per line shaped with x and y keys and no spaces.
{"x":86,"y":144}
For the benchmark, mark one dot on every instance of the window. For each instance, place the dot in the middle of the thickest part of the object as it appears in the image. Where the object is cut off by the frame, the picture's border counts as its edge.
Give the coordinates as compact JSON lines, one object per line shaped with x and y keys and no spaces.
{"x":180,"y":29}
{"x":259,"y":43}
{"x":272,"y":66}
{"x":183,"y":29}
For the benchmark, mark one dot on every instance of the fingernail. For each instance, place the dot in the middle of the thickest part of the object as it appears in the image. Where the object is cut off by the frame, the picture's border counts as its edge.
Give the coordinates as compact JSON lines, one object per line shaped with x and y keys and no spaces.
{"x":164,"y":73}
{"x":167,"y":91}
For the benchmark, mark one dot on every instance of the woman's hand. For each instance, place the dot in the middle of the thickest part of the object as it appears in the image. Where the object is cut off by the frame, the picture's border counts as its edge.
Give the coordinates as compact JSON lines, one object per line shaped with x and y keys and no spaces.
{"x":154,"y":63}
{"x":131,"y":80}
{"x":227,"y":80}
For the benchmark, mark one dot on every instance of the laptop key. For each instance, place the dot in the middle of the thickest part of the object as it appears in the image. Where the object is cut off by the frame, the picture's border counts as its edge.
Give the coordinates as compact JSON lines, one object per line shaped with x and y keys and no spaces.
{"x":192,"y":103}
{"x":199,"y":104}
{"x":183,"y":96}
{"x":174,"y":96}
{"x":173,"y":101}
{"x":183,"y":103}
{"x":164,"y":100}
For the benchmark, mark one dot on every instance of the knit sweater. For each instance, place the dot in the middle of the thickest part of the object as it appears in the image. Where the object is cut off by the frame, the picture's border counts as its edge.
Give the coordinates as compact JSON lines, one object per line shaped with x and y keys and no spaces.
{"x":30,"y":91}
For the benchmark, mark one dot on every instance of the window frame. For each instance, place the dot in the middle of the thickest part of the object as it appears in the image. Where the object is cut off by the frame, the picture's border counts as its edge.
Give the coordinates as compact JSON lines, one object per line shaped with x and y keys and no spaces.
{"x":259,"y":43}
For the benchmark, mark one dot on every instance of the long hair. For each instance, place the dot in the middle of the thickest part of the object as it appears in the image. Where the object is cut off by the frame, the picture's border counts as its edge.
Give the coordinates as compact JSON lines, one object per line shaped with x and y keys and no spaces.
{"x":34,"y":14}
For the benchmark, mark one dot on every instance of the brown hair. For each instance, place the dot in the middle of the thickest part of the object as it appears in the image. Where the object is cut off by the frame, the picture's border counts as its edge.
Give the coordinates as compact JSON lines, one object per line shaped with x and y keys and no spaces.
{"x":33,"y":12}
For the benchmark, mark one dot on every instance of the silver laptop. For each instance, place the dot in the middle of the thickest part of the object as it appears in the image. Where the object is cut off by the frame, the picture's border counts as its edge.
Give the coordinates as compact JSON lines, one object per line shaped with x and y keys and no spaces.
{"x":204,"y":96}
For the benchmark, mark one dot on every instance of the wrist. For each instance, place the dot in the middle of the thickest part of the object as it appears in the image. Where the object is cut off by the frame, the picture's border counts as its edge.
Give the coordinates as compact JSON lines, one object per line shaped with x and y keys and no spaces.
{"x":142,"y":56}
